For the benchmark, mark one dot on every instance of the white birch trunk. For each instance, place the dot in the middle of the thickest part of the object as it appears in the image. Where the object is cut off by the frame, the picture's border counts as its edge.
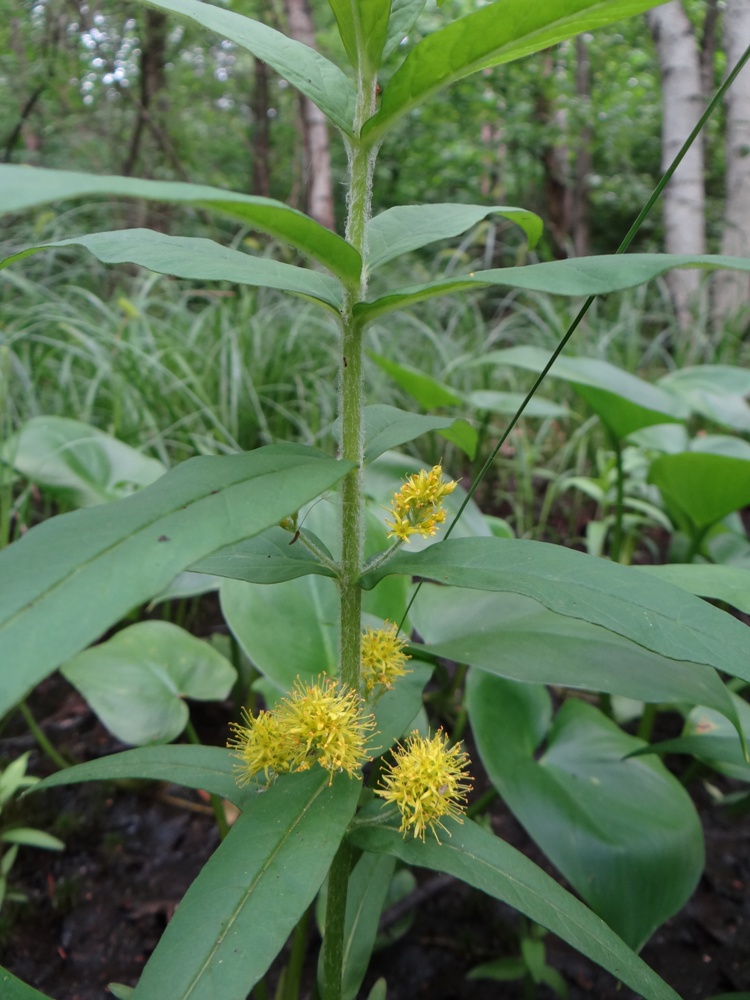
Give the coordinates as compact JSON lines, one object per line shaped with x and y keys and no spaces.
{"x":732,"y":289}
{"x":682,"y":105}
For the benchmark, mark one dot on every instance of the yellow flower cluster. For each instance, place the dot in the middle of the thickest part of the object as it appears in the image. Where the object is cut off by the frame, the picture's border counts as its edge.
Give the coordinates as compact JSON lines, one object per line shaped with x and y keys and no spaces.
{"x":417,"y":508}
{"x":383,"y":657}
{"x":427,"y":781}
{"x":320,"y":722}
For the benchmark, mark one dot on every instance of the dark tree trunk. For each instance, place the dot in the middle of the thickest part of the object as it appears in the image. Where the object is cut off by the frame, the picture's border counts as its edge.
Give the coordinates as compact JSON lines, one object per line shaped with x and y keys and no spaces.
{"x":260,"y":135}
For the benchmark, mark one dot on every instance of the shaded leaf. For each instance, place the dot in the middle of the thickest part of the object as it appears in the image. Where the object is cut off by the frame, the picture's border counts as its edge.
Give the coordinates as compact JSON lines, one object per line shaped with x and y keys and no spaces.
{"x":729,"y":584}
{"x":363,"y":28}
{"x":387,"y":427}
{"x":271,"y":557}
{"x":23,"y":187}
{"x":404,"y":15}
{"x":12,"y":988}
{"x":700,"y":486}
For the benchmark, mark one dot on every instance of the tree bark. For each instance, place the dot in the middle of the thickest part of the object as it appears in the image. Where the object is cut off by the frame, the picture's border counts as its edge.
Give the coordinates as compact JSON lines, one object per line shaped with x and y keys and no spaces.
{"x":260,"y":136}
{"x":732,"y":289}
{"x":682,"y":103}
{"x":317,"y":160}
{"x":580,"y":221}
{"x":152,"y":80}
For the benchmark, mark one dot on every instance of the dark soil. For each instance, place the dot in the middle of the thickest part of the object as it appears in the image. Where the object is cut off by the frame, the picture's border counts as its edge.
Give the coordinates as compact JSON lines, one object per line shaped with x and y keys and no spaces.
{"x":96,"y":911}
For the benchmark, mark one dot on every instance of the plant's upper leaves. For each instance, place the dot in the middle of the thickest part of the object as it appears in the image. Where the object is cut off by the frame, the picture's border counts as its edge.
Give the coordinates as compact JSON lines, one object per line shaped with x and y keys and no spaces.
{"x":198,"y":258}
{"x":13,"y":989}
{"x":24,"y":187}
{"x":307,"y":70}
{"x":627,"y":837}
{"x":486,"y":862}
{"x":363,"y":28}
{"x":619,"y":598}
{"x":701,"y":486}
{"x":387,"y":427}
{"x":80,"y":459}
{"x":271,"y":557}
{"x":516,"y":637}
{"x":495,"y":34}
{"x":624,"y":402}
{"x":729,"y":584}
{"x":409,"y":227}
{"x":138,"y":680}
{"x":207,"y":768}
{"x":77,"y":574}
{"x":246,"y":901}
{"x":428,"y":391}
{"x":579,"y":276}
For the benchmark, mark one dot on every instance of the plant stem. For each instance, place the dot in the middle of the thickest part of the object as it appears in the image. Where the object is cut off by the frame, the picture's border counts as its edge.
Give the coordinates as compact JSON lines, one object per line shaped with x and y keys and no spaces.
{"x":216,"y":804}
{"x":38,"y":733}
{"x":351,"y":406}
{"x":616,"y":550}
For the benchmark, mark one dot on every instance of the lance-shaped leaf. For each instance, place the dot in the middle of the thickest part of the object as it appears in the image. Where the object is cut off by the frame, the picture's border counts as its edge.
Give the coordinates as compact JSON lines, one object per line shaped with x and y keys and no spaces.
{"x":404,"y":15}
{"x":580,"y":276}
{"x":75,"y":575}
{"x":12,"y":988}
{"x":623,"y":832}
{"x":207,"y":768}
{"x":730,"y":584}
{"x":517,"y":638}
{"x":495,"y":34}
{"x":24,"y":187}
{"x":486,"y":862}
{"x":620,"y":598}
{"x":363,"y":28}
{"x":310,"y":72}
{"x":237,"y":915}
{"x":198,"y":258}
{"x":409,"y":227}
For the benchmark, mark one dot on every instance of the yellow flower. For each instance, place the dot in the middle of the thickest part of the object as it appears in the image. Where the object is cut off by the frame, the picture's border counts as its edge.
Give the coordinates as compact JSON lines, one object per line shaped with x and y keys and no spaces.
{"x":320,"y":722}
{"x":427,"y":781}
{"x":417,"y":508}
{"x":383,"y":656}
{"x":258,"y":746}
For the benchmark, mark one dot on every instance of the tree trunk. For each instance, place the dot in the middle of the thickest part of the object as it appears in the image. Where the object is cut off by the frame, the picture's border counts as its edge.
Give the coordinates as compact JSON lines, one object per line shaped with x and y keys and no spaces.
{"x":152,"y":80}
{"x":732,"y":289}
{"x":260,"y":136}
{"x":317,"y":160}
{"x":682,"y":104}
{"x":580,"y":220}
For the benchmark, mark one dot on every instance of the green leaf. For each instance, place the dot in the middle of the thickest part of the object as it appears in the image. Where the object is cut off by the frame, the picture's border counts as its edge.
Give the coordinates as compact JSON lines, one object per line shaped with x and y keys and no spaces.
{"x":363,"y":28}
{"x":517,"y":638}
{"x":619,"y":598}
{"x":311,"y":73}
{"x":206,"y":768}
{"x":579,"y":276}
{"x":198,"y":258}
{"x":69,"y":455}
{"x":486,"y":862}
{"x":701,"y":486}
{"x":428,"y":392}
{"x":624,"y":402}
{"x":387,"y":427}
{"x":729,"y":584}
{"x":238,"y":913}
{"x":507,"y":403}
{"x":271,"y":557}
{"x":138,"y":680}
{"x":492,"y":35}
{"x":32,"y":838}
{"x":13,"y":989}
{"x":77,"y":574}
{"x":404,"y":15}
{"x":627,"y":838}
{"x":717,"y":392}
{"x":24,"y":187}
{"x":409,"y":227}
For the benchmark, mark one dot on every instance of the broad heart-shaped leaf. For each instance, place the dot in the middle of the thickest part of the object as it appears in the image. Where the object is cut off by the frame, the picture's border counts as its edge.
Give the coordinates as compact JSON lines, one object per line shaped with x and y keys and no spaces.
{"x":701,"y":486}
{"x":627,"y":837}
{"x":238,"y":913}
{"x":498,"y":33}
{"x":137,"y":681}
{"x":664,"y":619}
{"x":91,"y":466}
{"x":624,"y":402}
{"x":580,"y":276}
{"x":195,"y":257}
{"x":515,"y":637}
{"x":409,"y":227}
{"x":486,"y":862}
{"x":729,"y":584}
{"x":363,"y":28}
{"x":12,"y":988}
{"x":25,"y":187}
{"x":207,"y":768}
{"x":307,"y":70}
{"x":73,"y":576}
